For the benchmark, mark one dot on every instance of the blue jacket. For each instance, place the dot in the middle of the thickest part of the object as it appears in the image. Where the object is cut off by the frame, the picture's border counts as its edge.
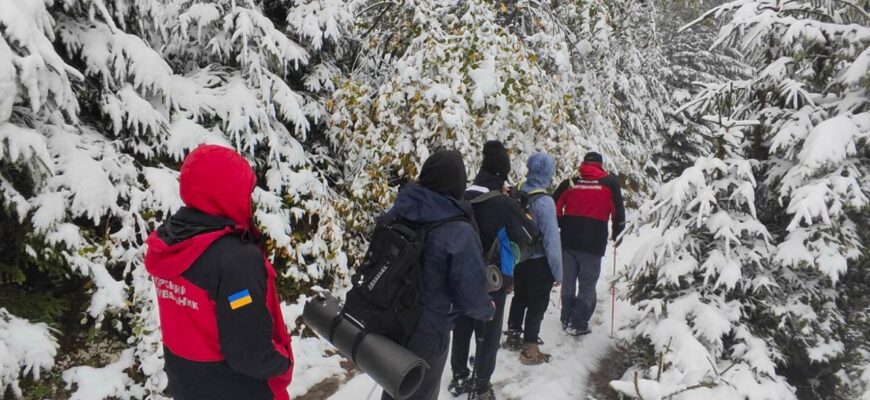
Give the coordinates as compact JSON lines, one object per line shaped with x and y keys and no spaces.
{"x":541,"y":168}
{"x":454,"y":278}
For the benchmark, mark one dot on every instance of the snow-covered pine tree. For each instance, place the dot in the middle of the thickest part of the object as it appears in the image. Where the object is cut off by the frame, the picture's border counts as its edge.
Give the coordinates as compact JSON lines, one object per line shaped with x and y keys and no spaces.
{"x":701,"y":280}
{"x":100,"y":103}
{"x":639,"y":95}
{"x":690,"y":63}
{"x":809,"y":92}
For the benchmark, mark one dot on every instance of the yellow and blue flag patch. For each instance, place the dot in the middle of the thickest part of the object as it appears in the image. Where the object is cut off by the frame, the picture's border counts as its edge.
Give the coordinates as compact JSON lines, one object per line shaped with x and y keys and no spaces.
{"x":240,"y":299}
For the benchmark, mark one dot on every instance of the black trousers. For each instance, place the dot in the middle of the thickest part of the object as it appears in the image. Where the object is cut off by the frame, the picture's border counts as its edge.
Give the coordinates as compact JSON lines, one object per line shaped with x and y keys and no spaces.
{"x":491,"y":330}
{"x":532,"y":284}
{"x":432,"y":348}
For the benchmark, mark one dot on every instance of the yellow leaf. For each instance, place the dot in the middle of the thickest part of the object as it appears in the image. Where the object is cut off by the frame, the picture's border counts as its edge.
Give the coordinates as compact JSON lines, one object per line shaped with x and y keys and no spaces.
{"x":503,"y":7}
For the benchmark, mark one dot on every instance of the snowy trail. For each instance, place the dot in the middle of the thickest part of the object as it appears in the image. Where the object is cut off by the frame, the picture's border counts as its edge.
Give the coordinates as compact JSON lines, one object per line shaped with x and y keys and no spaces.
{"x":565,"y":377}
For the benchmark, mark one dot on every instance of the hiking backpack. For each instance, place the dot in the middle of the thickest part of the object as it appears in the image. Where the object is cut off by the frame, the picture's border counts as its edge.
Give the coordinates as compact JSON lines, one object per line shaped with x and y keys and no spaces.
{"x":524,"y":248}
{"x":525,"y":200}
{"x":385,"y":293}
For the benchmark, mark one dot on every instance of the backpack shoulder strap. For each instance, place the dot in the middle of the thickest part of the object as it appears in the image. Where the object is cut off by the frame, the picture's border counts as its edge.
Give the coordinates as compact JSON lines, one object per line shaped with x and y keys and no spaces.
{"x":405,"y":227}
{"x":486,"y":197}
{"x":431,"y":226}
{"x":536,"y":194}
{"x":490,"y":255}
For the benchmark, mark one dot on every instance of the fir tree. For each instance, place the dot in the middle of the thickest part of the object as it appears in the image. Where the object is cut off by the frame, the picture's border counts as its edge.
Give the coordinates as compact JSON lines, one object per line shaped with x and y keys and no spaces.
{"x":702,"y":280}
{"x":808,"y":94}
{"x":107,"y":98}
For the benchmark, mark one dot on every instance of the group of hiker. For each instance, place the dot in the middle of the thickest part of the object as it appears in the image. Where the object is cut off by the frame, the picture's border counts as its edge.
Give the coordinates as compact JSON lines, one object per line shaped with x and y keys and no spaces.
{"x":223,"y":333}
{"x":564,"y":236}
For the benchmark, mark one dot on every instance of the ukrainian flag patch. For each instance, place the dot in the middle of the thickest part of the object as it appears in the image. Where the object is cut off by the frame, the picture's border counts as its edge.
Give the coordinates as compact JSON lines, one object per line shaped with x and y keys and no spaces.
{"x":240,"y":299}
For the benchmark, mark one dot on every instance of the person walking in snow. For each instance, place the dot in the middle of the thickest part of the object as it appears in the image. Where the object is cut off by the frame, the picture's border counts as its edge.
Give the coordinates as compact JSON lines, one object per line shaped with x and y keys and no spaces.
{"x":500,"y":224}
{"x":454,"y":282}
{"x":223,"y":333}
{"x":535,"y":277}
{"x":583,"y":206}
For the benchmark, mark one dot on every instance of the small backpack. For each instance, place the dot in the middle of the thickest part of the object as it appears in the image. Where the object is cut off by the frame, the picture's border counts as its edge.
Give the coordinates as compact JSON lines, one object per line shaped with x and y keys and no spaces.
{"x":385,"y":293}
{"x":526,"y":200}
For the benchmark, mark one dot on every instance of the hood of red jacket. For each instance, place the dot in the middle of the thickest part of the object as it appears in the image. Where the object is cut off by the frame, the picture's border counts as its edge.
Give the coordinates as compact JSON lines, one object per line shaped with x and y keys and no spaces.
{"x":216,"y":184}
{"x":592,"y":171}
{"x":218,"y":181}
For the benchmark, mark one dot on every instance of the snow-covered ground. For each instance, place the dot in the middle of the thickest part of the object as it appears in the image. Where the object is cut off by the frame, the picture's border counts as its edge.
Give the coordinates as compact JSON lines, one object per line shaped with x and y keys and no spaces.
{"x":565,"y":377}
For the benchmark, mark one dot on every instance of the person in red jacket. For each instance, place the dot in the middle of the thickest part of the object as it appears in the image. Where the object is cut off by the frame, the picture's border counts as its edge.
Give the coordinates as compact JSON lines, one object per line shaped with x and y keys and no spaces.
{"x":583,"y":206}
{"x":223,"y":333}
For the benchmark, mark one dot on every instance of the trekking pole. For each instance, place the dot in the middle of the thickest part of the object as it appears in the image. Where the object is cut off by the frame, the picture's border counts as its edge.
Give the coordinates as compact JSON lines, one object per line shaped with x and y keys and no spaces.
{"x":613,"y":295}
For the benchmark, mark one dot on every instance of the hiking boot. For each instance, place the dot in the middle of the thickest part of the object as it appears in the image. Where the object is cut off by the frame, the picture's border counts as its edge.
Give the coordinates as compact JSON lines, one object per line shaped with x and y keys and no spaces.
{"x":483,"y":393}
{"x":577,"y":332}
{"x":460,"y":384}
{"x":532,"y":355}
{"x":513,"y":340}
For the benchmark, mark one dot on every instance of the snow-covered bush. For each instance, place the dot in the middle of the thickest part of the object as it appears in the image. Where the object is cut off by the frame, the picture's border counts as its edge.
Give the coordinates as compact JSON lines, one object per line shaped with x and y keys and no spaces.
{"x":461,"y":79}
{"x":564,"y":78}
{"x":605,"y":59}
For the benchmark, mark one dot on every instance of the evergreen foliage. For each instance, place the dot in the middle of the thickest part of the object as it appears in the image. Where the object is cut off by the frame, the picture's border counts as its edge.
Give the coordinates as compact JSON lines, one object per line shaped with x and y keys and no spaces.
{"x":103,"y":100}
{"x":807,"y":103}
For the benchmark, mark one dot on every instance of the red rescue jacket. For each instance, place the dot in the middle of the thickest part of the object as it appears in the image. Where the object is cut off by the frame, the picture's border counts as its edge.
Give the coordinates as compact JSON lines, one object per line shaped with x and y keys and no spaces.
{"x":583,"y":206}
{"x":223,"y":332}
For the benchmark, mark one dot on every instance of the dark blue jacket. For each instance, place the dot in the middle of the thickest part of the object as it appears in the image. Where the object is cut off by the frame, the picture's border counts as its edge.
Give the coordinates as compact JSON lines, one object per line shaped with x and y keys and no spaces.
{"x":454,"y":278}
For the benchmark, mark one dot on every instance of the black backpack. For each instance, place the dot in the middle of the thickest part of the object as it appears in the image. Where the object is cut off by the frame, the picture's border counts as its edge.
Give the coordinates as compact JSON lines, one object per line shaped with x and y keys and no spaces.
{"x":385,"y":293}
{"x":534,"y":242}
{"x":526,"y":200}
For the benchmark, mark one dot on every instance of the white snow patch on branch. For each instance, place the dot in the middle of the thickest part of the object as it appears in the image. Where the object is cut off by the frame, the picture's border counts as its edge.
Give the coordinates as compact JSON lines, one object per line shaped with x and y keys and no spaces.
{"x":25,"y":349}
{"x":487,"y":79}
{"x":101,"y":383}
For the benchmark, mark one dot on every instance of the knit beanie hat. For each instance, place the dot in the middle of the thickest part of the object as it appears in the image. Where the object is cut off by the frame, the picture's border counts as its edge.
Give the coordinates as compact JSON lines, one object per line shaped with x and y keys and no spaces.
{"x":444,"y":172}
{"x":593,"y":157}
{"x":495,"y":159}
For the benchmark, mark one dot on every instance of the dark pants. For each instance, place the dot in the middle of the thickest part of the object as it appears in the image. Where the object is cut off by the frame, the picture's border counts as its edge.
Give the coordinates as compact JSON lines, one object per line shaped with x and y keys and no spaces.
{"x":432,"y":348}
{"x":581,"y":271}
{"x":486,"y":354}
{"x":532,"y":284}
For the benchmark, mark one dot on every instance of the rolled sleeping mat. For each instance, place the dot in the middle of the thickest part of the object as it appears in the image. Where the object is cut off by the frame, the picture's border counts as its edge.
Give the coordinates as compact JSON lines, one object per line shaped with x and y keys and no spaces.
{"x":494,"y":280}
{"x":398,"y":371}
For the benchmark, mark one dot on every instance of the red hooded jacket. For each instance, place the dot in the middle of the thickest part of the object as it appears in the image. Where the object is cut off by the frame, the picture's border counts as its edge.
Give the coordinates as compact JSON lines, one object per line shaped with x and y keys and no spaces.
{"x":223,"y":331}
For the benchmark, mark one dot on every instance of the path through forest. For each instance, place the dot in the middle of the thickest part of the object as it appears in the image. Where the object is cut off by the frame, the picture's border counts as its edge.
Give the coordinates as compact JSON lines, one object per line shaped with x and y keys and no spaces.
{"x":566,"y":376}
